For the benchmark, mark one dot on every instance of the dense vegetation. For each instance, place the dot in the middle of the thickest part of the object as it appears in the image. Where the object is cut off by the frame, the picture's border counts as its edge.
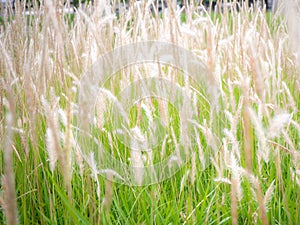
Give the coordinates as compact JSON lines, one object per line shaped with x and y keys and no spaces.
{"x":243,"y":164}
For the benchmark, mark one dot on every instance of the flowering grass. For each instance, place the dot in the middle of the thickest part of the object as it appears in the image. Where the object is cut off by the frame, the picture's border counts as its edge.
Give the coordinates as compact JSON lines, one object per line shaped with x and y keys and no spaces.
{"x":244,"y":164}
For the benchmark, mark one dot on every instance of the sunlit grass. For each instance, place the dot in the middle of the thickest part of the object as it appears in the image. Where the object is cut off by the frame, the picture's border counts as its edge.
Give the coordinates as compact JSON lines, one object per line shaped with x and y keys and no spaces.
{"x":244,"y":160}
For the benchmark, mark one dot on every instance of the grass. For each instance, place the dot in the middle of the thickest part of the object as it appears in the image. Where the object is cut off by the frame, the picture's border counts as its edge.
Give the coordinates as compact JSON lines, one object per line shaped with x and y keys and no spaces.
{"x":244,"y":162}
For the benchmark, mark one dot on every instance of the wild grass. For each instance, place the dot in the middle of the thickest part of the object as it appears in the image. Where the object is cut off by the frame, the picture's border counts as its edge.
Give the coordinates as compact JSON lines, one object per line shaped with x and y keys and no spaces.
{"x":244,"y":164}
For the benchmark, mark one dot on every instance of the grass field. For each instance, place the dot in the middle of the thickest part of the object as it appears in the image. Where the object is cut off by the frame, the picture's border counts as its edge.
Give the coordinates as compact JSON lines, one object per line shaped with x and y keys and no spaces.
{"x":242,"y":163}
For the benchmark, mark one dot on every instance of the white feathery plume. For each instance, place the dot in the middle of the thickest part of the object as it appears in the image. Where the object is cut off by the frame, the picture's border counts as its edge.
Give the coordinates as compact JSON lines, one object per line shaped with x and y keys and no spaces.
{"x":148,"y":113}
{"x":263,"y":150}
{"x":235,"y":144}
{"x":100,"y":104}
{"x":174,"y":160}
{"x":183,"y":181}
{"x":194,"y":168}
{"x":50,"y":144}
{"x":177,"y":147}
{"x":163,"y":110}
{"x":236,"y":177}
{"x":62,"y":116}
{"x":200,"y":149}
{"x":137,"y":161}
{"x":111,"y":173}
{"x":210,"y":138}
{"x":94,"y":171}
{"x":114,"y":99}
{"x":78,"y":153}
{"x":269,"y":194}
{"x":227,"y":159}
{"x":93,"y":165}
{"x":163,"y":147}
{"x":222,"y":180}
{"x":277,"y":123}
{"x":291,"y":100}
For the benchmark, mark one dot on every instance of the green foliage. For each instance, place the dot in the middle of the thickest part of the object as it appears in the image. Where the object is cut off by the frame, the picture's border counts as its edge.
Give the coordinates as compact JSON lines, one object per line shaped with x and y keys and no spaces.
{"x":197,"y":193}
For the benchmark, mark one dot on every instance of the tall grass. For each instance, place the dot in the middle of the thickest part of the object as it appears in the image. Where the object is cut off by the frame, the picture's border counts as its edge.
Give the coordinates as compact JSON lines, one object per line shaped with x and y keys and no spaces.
{"x":245,"y":161}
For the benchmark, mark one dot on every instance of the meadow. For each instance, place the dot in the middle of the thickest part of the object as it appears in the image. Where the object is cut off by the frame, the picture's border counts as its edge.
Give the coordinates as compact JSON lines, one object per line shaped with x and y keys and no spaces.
{"x":231,"y":153}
